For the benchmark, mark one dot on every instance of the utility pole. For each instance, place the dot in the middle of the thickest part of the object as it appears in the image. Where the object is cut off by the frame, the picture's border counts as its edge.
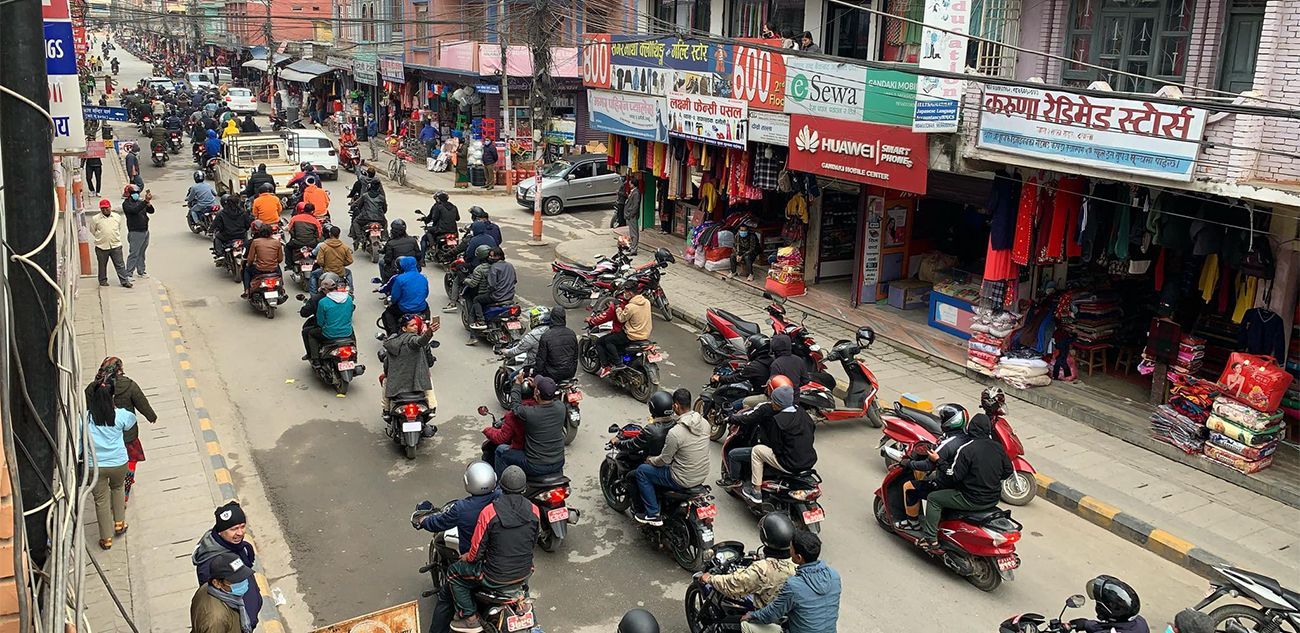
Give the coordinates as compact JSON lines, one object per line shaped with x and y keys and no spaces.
{"x":541,"y":32}
{"x":505,"y":84}
{"x":31,"y":401}
{"x":270,"y":60}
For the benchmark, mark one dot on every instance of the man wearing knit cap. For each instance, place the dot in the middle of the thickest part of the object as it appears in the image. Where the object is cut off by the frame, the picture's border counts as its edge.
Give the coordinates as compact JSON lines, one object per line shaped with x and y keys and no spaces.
{"x":543,"y":452}
{"x":218,"y":605}
{"x":785,"y":443}
{"x":227,"y":536}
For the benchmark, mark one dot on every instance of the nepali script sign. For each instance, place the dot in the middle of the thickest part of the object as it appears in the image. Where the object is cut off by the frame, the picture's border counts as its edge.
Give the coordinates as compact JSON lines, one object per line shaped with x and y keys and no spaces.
{"x":712,"y":120}
{"x":1128,"y":135}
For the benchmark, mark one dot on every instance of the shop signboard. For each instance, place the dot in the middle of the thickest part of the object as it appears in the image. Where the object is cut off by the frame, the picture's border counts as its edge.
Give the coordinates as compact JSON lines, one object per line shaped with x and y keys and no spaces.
{"x":630,"y":63}
{"x":1123,"y":135}
{"x":890,"y":156}
{"x":758,"y":75}
{"x":99,"y":113}
{"x":637,"y":116}
{"x":712,"y":120}
{"x":769,"y":127}
{"x":871,"y":249}
{"x":595,"y":60}
{"x":61,"y":69}
{"x":488,"y":89}
{"x":847,"y":91}
{"x":943,"y":47}
{"x":339,"y":63}
{"x":365,"y":72}
{"x":391,"y":69}
{"x":561,"y":132}
{"x":891,"y":97}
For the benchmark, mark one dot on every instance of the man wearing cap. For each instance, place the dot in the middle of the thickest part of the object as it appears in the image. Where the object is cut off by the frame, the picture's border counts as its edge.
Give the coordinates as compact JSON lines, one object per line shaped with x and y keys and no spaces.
{"x":226,"y":538}
{"x":106,"y":230}
{"x":543,"y":452}
{"x":500,"y":552}
{"x":218,"y":605}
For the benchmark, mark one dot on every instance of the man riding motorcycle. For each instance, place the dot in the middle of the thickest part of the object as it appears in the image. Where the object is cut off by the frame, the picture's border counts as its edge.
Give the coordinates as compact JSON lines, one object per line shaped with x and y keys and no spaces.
{"x":785,"y":439}
{"x":539,"y":321}
{"x":362,"y":183}
{"x":497,"y":288}
{"x":267,"y":206}
{"x":304,"y":231}
{"x":399,"y":245}
{"x":370,"y":206}
{"x":808,"y":601}
{"x":682,"y":463}
{"x":1117,"y":608}
{"x":906,"y":494}
{"x":442,"y":219}
{"x":633,"y":311}
{"x":332,"y":256}
{"x":557,"y":351}
{"x":211,"y":147}
{"x":463,"y":514}
{"x":785,"y":363}
{"x":158,"y":138}
{"x":328,"y":316}
{"x":231,"y":224}
{"x":973,"y":481}
{"x":200,"y":197}
{"x":406,"y":363}
{"x":477,"y":214}
{"x":256,"y":180}
{"x":474,"y":254}
{"x":544,"y":430}
{"x":500,"y":554}
{"x":408,"y":293}
{"x":317,"y":197}
{"x":755,"y":371}
{"x":305,"y":169}
{"x":764,"y":578}
{"x":248,"y":125}
{"x":263,"y":256}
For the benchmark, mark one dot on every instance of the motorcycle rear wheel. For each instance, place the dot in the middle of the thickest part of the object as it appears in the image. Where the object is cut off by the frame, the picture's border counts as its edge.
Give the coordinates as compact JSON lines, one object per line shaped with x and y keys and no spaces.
{"x":687,"y":544}
{"x":570,"y":432}
{"x":567,"y":293}
{"x":547,"y":540}
{"x":661,"y":306}
{"x":986,"y":576}
{"x":408,"y":451}
{"x":587,"y":356}
{"x":645,"y":386}
{"x":874,"y":419}
{"x":878,"y":509}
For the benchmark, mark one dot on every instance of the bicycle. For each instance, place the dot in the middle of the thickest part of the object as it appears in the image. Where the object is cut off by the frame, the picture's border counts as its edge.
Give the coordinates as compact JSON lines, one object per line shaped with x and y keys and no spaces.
{"x":397,"y":170}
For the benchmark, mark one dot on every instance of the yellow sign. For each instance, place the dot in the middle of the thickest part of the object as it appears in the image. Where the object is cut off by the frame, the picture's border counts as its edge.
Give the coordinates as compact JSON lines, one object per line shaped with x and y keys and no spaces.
{"x":403,"y":618}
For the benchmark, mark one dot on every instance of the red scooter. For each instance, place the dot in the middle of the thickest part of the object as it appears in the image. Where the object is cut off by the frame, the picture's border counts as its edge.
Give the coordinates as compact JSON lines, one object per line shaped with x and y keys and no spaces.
{"x":905,"y":427}
{"x":861,"y":393}
{"x":980,"y":546}
{"x":726,"y":333}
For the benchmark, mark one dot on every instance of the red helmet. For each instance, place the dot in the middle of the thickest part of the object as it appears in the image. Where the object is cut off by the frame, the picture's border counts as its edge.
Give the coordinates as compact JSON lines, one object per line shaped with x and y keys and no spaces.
{"x":778,"y":381}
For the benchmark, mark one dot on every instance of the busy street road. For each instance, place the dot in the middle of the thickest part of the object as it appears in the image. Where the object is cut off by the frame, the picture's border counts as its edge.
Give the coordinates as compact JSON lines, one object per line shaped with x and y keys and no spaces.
{"x":330,"y":496}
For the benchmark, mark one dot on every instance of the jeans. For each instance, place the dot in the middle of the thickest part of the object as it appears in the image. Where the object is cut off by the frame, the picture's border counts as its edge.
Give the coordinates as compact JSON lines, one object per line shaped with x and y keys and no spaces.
{"x":103,"y":255}
{"x":110,"y":498}
{"x":610,"y":348}
{"x":94,"y":178}
{"x":649,"y":477}
{"x":139,"y":241}
{"x":507,"y":457}
{"x":314,"y":280}
{"x":464,"y":577}
{"x":477,"y":305}
{"x":737,"y":459}
{"x":937,"y":501}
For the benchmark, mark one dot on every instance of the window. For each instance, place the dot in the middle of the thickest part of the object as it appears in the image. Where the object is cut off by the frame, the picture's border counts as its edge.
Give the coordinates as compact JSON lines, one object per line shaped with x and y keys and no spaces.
{"x":745,"y":18}
{"x":368,"y":22}
{"x":901,"y":41}
{"x":1143,"y":37}
{"x":602,"y":169}
{"x":680,"y":15}
{"x":395,"y":16}
{"x":583,"y":170}
{"x":997,"y":20}
{"x":421,"y":25}
{"x":847,"y":32}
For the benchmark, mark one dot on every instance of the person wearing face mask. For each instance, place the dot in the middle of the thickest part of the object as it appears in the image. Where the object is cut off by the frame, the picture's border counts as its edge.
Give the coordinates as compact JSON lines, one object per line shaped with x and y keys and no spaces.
{"x":747,"y":249}
{"x":226,"y":538}
{"x":218,"y":605}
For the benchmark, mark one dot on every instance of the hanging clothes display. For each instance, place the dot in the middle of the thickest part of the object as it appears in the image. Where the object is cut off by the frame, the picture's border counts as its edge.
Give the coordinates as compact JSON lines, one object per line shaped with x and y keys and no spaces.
{"x":1050,"y":225}
{"x":1023,"y":247}
{"x":1209,"y":277}
{"x":1246,"y":286}
{"x":1067,"y":202}
{"x":1004,"y":200}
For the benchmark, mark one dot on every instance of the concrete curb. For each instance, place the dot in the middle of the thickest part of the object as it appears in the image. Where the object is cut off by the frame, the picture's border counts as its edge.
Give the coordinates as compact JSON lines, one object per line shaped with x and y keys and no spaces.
{"x":270,"y":621}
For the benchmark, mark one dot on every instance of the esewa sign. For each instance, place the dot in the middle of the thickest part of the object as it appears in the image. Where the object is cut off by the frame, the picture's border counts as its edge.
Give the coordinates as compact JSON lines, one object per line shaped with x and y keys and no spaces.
{"x":403,"y":618}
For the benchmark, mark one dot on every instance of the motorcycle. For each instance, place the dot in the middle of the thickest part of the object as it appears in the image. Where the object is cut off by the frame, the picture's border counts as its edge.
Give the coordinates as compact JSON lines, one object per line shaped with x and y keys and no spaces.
{"x":688,"y":514}
{"x":350,"y":157}
{"x":647,"y":284}
{"x":548,"y":493}
{"x":158,"y":152}
{"x":568,"y":390}
{"x":301,"y":268}
{"x":265,"y":294}
{"x":204,"y":224}
{"x":905,"y":426}
{"x":457,"y":270}
{"x":717,"y":400}
{"x":574,"y":284}
{"x":174,"y":141}
{"x":337,"y":364}
{"x":210,"y":168}
{"x":792,"y":494}
{"x":504,"y":610}
{"x":146,"y":125}
{"x":978,"y":545}
{"x":639,"y":373}
{"x":279,"y":122}
{"x":375,"y":240}
{"x":860,"y":397}
{"x":232,"y":259}
{"x":1274,"y":606}
{"x":441,"y":247}
{"x":706,"y":608}
{"x":504,"y":326}
{"x":407,"y":420}
{"x":1035,"y":623}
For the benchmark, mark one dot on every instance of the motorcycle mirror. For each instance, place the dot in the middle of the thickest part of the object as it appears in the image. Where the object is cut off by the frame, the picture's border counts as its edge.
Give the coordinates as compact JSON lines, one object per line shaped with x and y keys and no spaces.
{"x":613,"y":428}
{"x":1076,"y":601}
{"x":482,"y":410}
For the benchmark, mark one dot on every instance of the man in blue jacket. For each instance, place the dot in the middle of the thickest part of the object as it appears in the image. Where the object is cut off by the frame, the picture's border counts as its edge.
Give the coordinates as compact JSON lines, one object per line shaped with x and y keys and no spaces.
{"x":809,"y":600}
{"x":211,"y":147}
{"x":463,"y":514}
{"x":408,"y":293}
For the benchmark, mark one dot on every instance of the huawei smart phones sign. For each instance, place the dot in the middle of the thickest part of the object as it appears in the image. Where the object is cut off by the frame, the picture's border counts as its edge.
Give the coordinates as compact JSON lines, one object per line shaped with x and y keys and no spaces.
{"x":886,"y":155}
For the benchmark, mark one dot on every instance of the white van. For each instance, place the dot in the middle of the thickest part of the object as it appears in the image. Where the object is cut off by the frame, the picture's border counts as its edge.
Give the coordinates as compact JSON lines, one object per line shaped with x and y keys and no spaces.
{"x":220,"y":73}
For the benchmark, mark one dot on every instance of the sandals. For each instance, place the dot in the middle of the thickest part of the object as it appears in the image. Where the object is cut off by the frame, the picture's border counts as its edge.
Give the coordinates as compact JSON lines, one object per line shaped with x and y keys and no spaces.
{"x":106,"y":543}
{"x":119,"y":528}
{"x":906,"y":524}
{"x":929,"y":545}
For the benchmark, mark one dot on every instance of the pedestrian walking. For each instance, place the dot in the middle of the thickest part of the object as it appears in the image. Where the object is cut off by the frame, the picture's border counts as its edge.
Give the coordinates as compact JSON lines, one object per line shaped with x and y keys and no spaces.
{"x":94,"y":168}
{"x":137,"y":211}
{"x":489,"y":164}
{"x":132,"y":161}
{"x":227,"y":537}
{"x":106,"y":230}
{"x":106,"y":428}
{"x":632,"y":211}
{"x":126,"y":395}
{"x":218,"y":604}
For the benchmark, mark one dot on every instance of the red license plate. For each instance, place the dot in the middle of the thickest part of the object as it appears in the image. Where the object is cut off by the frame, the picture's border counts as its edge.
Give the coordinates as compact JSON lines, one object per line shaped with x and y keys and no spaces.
{"x":558,"y":514}
{"x":815,"y":515}
{"x":374,"y":232}
{"x":345,"y":365}
{"x":707,"y":512}
{"x":306,"y":267}
{"x":654,"y":357}
{"x":520,"y":622}
{"x":513,"y":325}
{"x":1007,"y":563}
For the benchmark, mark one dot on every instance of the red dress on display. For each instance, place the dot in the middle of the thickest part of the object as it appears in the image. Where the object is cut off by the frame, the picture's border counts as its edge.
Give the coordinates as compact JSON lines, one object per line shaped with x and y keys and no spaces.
{"x":1069,"y":196}
{"x":1024,"y":244}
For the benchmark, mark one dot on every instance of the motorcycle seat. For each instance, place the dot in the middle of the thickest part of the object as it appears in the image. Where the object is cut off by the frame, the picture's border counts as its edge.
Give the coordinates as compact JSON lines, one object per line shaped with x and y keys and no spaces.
{"x":636,"y":346}
{"x":503,"y":595}
{"x":929,"y":422}
{"x":552,"y":479}
{"x":408,"y":397}
{"x":339,"y":342}
{"x":1272,"y":585}
{"x":744,"y":327}
{"x":686,"y":493}
{"x":975,"y":516}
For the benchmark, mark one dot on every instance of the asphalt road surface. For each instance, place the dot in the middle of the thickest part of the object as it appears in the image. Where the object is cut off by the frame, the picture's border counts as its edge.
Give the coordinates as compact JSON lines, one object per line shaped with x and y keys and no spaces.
{"x":330,"y":496}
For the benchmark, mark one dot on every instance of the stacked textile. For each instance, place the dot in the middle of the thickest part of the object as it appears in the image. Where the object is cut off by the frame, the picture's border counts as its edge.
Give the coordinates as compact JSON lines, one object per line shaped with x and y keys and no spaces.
{"x":1241,"y":437}
{"x":1023,"y":373}
{"x":990,"y":339}
{"x":1091,"y":316}
{"x":1169,"y":425}
{"x":1191,"y":355}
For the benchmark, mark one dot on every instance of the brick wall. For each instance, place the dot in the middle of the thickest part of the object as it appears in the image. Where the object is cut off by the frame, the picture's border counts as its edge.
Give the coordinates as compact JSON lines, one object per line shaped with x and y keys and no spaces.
{"x":8,"y":590}
{"x":1277,"y":75}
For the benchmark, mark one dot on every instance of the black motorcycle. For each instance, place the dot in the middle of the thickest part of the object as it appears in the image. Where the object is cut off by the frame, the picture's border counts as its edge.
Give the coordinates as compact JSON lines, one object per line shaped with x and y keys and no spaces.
{"x":439,"y":248}
{"x":174,"y":141}
{"x":717,"y":400}
{"x":204,"y":224}
{"x":337,"y":365}
{"x":792,"y":494}
{"x":707,"y":610}
{"x":548,"y":493}
{"x":687,"y":529}
{"x":1036,"y":623}
{"x":1275,"y":605}
{"x":639,"y":373}
{"x":568,"y":390}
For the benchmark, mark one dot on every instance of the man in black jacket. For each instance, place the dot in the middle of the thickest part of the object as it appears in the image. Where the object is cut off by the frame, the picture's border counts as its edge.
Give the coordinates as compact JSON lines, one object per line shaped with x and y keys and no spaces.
{"x":399,"y":245}
{"x":972,"y":482}
{"x":259,"y":178}
{"x":231,"y":224}
{"x":501,"y":549}
{"x":543,"y":452}
{"x":756,"y":372}
{"x":137,"y":208}
{"x":442,"y":219}
{"x":784,"y":443}
{"x":786,"y":363}
{"x":557,"y":350}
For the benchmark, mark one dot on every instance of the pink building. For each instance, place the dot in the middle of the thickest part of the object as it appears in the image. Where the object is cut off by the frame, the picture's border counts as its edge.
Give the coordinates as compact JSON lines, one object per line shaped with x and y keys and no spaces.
{"x":291,"y":21}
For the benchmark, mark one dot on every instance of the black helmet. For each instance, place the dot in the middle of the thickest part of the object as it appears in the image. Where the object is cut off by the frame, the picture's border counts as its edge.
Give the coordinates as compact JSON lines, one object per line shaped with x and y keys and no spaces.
{"x":228,"y":200}
{"x":1116,"y":600}
{"x":757,"y":345}
{"x":952,"y":416}
{"x":638,"y":621}
{"x":663,"y":257}
{"x":776,"y":531}
{"x":265,"y":187}
{"x":440,"y":196}
{"x":397,"y":225}
{"x":198,"y":176}
{"x":866,"y":336}
{"x":304,"y":166}
{"x":661,"y":404}
{"x":513,"y":480}
{"x":477,"y":212}
{"x":481,"y":252}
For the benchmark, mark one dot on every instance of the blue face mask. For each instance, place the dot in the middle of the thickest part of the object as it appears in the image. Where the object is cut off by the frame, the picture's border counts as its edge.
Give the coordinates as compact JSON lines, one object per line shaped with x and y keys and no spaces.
{"x":1169,"y":628}
{"x":239,"y":588}
{"x":743,"y":232}
{"x":135,"y":196}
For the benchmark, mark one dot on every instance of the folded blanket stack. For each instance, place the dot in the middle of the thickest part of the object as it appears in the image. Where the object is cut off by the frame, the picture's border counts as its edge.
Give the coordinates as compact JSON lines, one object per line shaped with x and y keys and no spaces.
{"x":1191,"y":354}
{"x":1023,"y":373}
{"x":1236,"y":462}
{"x":1169,"y":425}
{"x":1092,"y":316}
{"x":990,"y":338}
{"x":1241,"y":437}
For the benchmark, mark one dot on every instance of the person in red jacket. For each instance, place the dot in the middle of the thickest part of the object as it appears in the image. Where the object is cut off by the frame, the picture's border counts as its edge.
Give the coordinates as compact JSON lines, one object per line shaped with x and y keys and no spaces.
{"x":510,"y":430}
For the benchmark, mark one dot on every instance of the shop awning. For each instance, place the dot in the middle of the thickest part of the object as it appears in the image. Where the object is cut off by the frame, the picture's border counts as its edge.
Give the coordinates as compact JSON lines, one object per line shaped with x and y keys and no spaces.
{"x":256,"y":64}
{"x":288,"y":74}
{"x":309,"y":67}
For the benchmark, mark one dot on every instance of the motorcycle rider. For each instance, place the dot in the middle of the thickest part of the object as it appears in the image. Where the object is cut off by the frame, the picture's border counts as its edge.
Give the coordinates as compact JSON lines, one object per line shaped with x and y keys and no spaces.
{"x":1117,"y":607}
{"x":370,"y":206}
{"x":305,"y":169}
{"x":784,"y":362}
{"x":158,"y":138}
{"x":319,"y":198}
{"x":211,"y":147}
{"x":654,"y":435}
{"x":267,"y":206}
{"x":304,"y":231}
{"x":399,"y":245}
{"x":544,"y":432}
{"x":496,"y":289}
{"x":477,"y":214}
{"x":809,"y":601}
{"x":638,"y":621}
{"x":755,"y":371}
{"x":231,"y":224}
{"x":905,"y":495}
{"x":973,"y":481}
{"x":557,"y":351}
{"x":328,"y":316}
{"x":510,"y":430}
{"x":500,"y":555}
{"x":468,"y":287}
{"x":633,"y":311}
{"x":408,"y":293}
{"x":258,"y":178}
{"x":248,"y":125}
{"x":406,"y":362}
{"x":784,"y":439}
{"x":539,"y":321}
{"x":763,"y":578}
{"x":474,"y":255}
{"x":332,"y":256}
{"x":682,"y":463}
{"x":442,"y":219}
{"x":362,"y":183}
{"x":481,"y":484}
{"x":263,"y":256}
{"x":200,"y":197}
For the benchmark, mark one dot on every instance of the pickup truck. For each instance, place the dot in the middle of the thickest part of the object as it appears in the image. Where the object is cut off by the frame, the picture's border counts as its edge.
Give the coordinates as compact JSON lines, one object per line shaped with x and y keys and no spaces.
{"x":242,"y":153}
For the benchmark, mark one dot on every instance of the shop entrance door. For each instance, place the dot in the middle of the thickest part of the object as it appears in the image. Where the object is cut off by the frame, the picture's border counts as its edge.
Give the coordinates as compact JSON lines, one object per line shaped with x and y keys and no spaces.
{"x":841,"y":210}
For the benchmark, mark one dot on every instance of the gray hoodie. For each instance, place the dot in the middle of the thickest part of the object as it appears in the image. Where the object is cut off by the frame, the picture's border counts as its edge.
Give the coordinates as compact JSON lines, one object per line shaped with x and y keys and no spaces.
{"x":686,"y":450}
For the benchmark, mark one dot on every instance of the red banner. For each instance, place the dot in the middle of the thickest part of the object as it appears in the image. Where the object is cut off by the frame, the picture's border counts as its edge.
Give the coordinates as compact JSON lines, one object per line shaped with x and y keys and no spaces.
{"x":79,"y":40}
{"x":595,"y":60}
{"x":886,"y":155}
{"x":758,"y":75}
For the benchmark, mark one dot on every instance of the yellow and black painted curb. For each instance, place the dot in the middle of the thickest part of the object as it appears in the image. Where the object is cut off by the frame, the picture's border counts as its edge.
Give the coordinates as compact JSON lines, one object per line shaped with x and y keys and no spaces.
{"x":269,"y":620}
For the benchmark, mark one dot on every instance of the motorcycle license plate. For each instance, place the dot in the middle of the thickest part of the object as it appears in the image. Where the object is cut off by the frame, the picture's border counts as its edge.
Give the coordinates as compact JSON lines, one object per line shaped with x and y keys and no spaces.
{"x":1007,"y":563}
{"x":374,"y":232}
{"x":306,"y":268}
{"x":558,"y":514}
{"x":513,"y":325}
{"x":520,"y":622}
{"x":271,"y":294}
{"x":707,"y":512}
{"x":595,"y":294}
{"x":412,"y":427}
{"x":345,"y":365}
{"x":816,"y":515}
{"x":655,"y":357}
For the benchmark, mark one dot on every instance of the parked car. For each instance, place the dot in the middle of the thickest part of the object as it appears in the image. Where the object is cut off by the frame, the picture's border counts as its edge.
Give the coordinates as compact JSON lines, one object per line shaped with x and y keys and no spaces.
{"x":161,"y":83}
{"x":317,"y":148}
{"x":219,"y":74}
{"x":241,"y":100}
{"x":582,"y":180}
{"x":199,"y":81}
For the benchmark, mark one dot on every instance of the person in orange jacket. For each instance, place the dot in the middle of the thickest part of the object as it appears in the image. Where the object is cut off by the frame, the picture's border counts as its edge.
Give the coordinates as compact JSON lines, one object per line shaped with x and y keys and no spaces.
{"x":317,"y":197}
{"x":267,"y":206}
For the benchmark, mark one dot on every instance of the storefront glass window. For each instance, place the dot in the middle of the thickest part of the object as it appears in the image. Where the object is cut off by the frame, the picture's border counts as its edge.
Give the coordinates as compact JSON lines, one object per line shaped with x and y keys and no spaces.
{"x":847,"y":32}
{"x":680,"y":15}
{"x":1143,"y":37}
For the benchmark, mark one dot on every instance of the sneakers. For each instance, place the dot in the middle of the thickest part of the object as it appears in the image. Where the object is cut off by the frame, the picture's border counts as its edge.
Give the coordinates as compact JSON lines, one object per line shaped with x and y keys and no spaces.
{"x":906,"y":524}
{"x":604,"y":372}
{"x":451,"y":307}
{"x":749,"y":277}
{"x":478,"y":325}
{"x":728,"y":483}
{"x":647,"y":519}
{"x":467,"y":625}
{"x":748,"y":492}
{"x":127,"y":284}
{"x":143,"y":275}
{"x":472,"y":341}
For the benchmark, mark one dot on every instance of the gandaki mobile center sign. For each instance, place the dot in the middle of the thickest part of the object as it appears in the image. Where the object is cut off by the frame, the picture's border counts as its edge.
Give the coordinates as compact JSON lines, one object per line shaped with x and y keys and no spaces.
{"x":886,"y":155}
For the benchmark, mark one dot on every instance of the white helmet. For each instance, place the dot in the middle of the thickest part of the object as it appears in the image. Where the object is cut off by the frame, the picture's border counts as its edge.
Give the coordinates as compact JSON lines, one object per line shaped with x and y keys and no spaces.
{"x":480,"y":479}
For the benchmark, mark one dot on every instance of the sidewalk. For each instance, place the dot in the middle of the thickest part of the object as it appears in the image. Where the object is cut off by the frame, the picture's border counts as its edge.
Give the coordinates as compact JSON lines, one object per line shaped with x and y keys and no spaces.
{"x":1117,"y":485}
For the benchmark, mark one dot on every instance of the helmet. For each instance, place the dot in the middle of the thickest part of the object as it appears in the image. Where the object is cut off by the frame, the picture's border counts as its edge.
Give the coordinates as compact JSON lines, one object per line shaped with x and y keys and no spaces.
{"x":778,"y":381}
{"x":397,"y":225}
{"x":300,"y":207}
{"x":757,"y":345}
{"x":198,"y":176}
{"x":952,"y":416}
{"x":776,"y":531}
{"x":408,"y":318}
{"x":304,"y":166}
{"x":514,"y":480}
{"x":661,"y":404}
{"x":866,"y":336}
{"x":663,"y":257}
{"x":480,"y":479}
{"x":638,"y":621}
{"x":228,"y":200}
{"x":329,"y":281}
{"x":538,"y":316}
{"x":312,"y":180}
{"x":265,"y":187}
{"x":477,"y":212}
{"x":993,"y":400}
{"x":1116,"y":600}
{"x":481,"y":252}
{"x":440,"y":196}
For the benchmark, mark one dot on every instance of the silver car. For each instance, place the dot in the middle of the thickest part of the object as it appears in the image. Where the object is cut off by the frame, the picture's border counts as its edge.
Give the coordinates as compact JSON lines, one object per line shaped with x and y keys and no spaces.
{"x":583,"y":180}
